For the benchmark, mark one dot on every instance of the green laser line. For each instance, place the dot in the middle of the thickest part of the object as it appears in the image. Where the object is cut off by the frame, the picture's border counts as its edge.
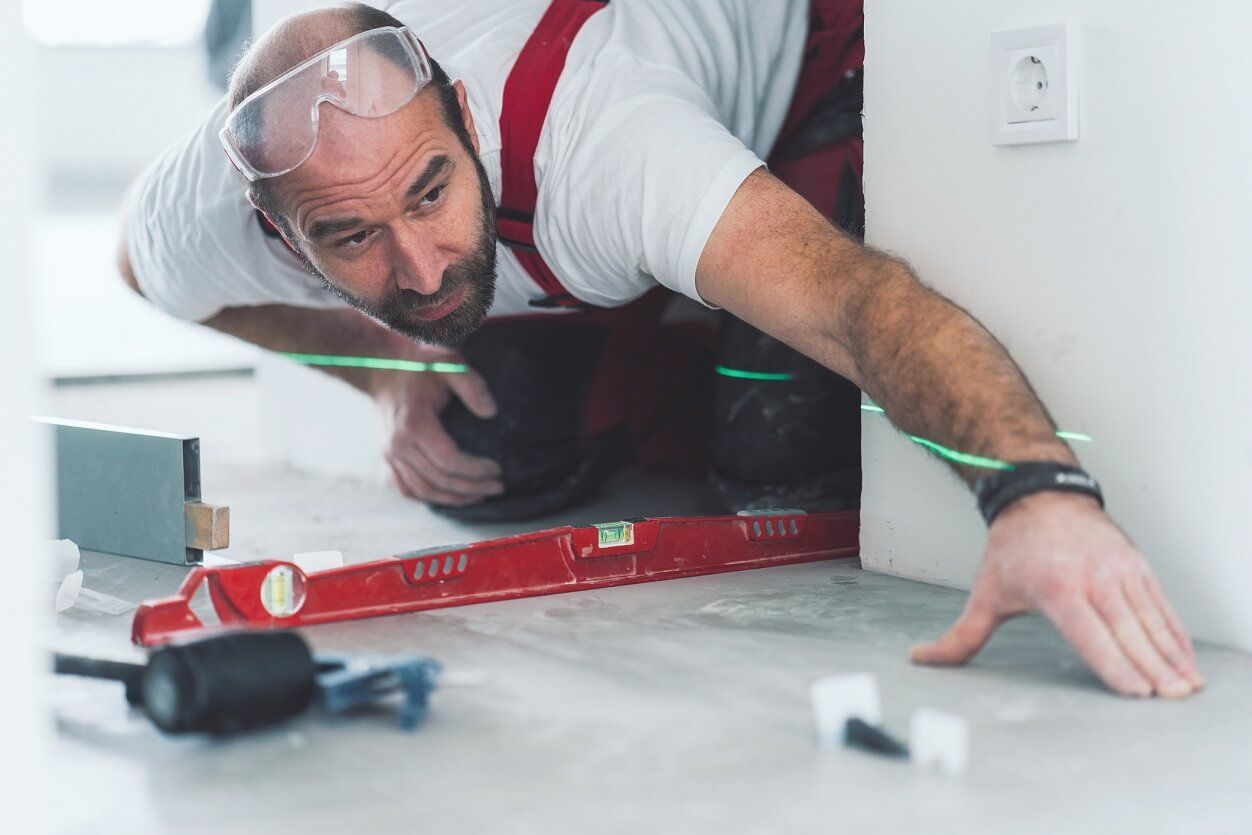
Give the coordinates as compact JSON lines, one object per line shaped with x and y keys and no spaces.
{"x":965,"y":457}
{"x":741,"y":374}
{"x":962,"y":457}
{"x":376,"y":362}
{"x":940,"y":450}
{"x":1069,"y":436}
{"x":460,"y":368}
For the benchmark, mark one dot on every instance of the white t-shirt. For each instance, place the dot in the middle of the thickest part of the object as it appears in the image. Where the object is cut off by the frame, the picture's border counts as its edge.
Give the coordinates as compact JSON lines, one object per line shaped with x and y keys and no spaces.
{"x":664,"y":107}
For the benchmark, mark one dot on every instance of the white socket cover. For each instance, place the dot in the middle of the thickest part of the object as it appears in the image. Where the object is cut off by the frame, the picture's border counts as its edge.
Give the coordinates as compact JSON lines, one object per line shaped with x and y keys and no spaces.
{"x":1033,"y":86}
{"x":311,"y":562}
{"x":836,"y":699}
{"x":938,"y":738}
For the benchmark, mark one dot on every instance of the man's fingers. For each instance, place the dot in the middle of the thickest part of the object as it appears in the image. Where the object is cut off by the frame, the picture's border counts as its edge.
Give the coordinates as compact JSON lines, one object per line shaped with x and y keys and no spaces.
{"x":449,"y":482}
{"x":472,"y":390}
{"x":1153,"y":586}
{"x":960,"y":643}
{"x":1130,"y":633}
{"x":402,"y":481}
{"x":413,"y":485}
{"x":1160,"y":632}
{"x":1086,"y":631}
{"x":439,"y":448}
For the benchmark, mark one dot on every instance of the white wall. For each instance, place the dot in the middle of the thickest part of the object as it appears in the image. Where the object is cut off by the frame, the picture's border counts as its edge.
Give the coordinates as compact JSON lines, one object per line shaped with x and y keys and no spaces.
{"x":318,"y":424}
{"x":1116,"y":269}
{"x":105,"y":113}
{"x":101,"y":116}
{"x":23,"y":488}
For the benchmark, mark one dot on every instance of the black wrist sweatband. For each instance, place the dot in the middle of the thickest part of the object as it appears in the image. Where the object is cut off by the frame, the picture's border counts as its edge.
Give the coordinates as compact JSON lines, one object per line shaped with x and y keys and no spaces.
{"x":997,"y":491}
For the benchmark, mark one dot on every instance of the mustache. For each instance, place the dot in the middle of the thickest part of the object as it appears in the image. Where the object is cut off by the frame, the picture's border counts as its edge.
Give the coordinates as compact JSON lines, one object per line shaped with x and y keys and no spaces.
{"x":474,"y":274}
{"x":450,"y":283}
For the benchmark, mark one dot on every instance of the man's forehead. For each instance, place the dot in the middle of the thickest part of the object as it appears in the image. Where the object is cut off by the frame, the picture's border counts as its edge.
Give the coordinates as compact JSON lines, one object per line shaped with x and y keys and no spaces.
{"x":360,"y":153}
{"x":348,"y":144}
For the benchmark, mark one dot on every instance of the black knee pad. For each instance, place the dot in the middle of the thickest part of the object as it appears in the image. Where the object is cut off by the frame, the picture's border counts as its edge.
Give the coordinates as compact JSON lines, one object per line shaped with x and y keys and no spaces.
{"x":793,"y":442}
{"x":540,"y":375}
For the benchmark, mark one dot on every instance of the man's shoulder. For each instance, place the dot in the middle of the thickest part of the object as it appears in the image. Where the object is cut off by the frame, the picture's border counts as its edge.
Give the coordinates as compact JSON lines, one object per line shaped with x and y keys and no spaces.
{"x":194,"y":241}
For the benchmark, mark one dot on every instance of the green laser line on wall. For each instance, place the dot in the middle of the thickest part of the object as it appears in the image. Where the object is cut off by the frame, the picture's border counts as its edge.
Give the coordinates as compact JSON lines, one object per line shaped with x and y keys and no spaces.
{"x":966,"y":458}
{"x":385,"y":364}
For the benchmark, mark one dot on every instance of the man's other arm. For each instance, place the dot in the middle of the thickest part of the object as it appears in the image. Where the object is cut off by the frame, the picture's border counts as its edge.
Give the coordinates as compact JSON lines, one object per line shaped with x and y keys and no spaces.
{"x":425,"y":461}
{"x":279,"y":327}
{"x":776,"y":263}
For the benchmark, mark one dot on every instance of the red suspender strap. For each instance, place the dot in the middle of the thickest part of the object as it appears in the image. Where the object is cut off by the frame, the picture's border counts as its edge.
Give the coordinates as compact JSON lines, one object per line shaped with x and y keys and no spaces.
{"x":527,"y":94}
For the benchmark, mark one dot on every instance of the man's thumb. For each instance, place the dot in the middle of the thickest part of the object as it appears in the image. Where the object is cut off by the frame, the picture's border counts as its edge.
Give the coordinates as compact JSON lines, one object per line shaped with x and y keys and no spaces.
{"x":960,"y":643}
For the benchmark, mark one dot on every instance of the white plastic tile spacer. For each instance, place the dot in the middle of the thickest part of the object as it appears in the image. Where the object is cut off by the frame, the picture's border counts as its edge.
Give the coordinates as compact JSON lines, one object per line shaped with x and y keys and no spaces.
{"x":938,"y":738}
{"x":836,"y":699}
{"x":63,"y":558}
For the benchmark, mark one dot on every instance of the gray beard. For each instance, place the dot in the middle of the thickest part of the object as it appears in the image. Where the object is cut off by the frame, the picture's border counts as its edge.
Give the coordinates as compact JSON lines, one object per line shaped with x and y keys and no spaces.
{"x":475,"y":274}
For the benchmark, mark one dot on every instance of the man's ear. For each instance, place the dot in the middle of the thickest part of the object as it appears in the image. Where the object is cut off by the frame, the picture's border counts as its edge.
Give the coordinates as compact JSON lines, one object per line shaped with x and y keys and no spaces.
{"x":276,"y":227}
{"x":467,"y":118}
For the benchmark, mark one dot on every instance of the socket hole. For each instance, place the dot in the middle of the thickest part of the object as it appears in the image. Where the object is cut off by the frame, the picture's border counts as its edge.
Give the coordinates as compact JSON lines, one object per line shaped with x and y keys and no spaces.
{"x":1028,"y":80}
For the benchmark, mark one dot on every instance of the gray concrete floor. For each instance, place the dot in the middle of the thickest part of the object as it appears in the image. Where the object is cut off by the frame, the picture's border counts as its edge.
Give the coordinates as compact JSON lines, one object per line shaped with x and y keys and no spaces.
{"x":670,"y":707}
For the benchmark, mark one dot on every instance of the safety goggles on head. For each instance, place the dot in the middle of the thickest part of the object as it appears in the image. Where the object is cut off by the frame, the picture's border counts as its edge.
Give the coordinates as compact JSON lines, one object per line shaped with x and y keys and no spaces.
{"x":372,"y":74}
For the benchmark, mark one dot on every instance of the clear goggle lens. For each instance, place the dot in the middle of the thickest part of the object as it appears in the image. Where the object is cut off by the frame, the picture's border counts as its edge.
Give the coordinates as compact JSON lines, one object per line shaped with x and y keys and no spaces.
{"x":372,"y":74}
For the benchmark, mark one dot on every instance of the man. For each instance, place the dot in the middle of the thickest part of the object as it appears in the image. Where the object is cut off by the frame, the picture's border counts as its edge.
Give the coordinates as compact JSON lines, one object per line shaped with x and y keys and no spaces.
{"x":391,"y":183}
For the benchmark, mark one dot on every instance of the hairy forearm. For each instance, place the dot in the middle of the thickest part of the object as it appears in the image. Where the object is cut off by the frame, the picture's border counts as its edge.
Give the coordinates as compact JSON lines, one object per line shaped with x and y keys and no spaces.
{"x":279,"y":327}
{"x":302,"y":330}
{"x":775,"y":262}
{"x":941,"y":375}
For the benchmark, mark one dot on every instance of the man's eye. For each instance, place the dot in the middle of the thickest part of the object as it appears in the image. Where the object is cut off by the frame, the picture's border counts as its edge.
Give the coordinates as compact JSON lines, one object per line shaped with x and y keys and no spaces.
{"x":353,"y":241}
{"x":432,"y":196}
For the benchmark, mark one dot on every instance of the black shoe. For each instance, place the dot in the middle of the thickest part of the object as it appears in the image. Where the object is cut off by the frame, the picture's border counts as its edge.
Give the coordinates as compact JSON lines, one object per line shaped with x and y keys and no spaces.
{"x":604,"y":456}
{"x":829,"y":492}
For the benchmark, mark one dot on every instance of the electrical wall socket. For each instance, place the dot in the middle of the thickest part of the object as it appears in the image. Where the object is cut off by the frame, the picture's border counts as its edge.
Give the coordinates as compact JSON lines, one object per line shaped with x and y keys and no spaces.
{"x":1033,"y":88}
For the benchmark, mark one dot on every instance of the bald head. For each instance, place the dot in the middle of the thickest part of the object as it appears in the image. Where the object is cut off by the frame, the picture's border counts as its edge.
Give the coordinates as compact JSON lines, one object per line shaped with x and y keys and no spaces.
{"x":392,"y":209}
{"x":297,"y":38}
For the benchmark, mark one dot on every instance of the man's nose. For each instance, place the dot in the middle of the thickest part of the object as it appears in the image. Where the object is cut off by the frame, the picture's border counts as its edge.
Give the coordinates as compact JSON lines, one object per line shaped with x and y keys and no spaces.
{"x":418,"y":263}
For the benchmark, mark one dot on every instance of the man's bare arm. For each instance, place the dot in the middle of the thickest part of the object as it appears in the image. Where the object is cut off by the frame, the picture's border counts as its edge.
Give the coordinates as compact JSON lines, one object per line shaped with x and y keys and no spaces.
{"x":773,"y":261}
{"x":124,"y":268}
{"x":776,"y":262}
{"x":424,"y":459}
{"x":302,"y":330}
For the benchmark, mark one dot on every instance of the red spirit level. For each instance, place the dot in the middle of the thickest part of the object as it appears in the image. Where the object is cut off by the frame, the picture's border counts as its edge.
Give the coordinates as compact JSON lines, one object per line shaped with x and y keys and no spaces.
{"x":279,"y":595}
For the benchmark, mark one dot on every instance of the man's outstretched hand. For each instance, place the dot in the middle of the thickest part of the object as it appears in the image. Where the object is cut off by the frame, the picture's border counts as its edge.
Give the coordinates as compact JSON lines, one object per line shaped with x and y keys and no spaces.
{"x":1061,"y":555}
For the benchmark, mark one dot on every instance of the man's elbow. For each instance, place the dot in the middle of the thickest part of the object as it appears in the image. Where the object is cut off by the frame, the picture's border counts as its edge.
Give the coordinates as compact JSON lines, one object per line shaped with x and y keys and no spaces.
{"x":123,"y":265}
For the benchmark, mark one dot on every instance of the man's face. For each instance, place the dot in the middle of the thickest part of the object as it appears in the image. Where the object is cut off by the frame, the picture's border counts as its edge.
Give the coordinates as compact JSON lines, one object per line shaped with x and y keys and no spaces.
{"x":396,"y":216}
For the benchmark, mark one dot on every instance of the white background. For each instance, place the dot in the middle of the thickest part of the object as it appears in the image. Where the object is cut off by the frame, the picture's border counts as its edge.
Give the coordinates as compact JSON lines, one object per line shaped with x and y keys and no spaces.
{"x":117,"y":83}
{"x":23,"y":488}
